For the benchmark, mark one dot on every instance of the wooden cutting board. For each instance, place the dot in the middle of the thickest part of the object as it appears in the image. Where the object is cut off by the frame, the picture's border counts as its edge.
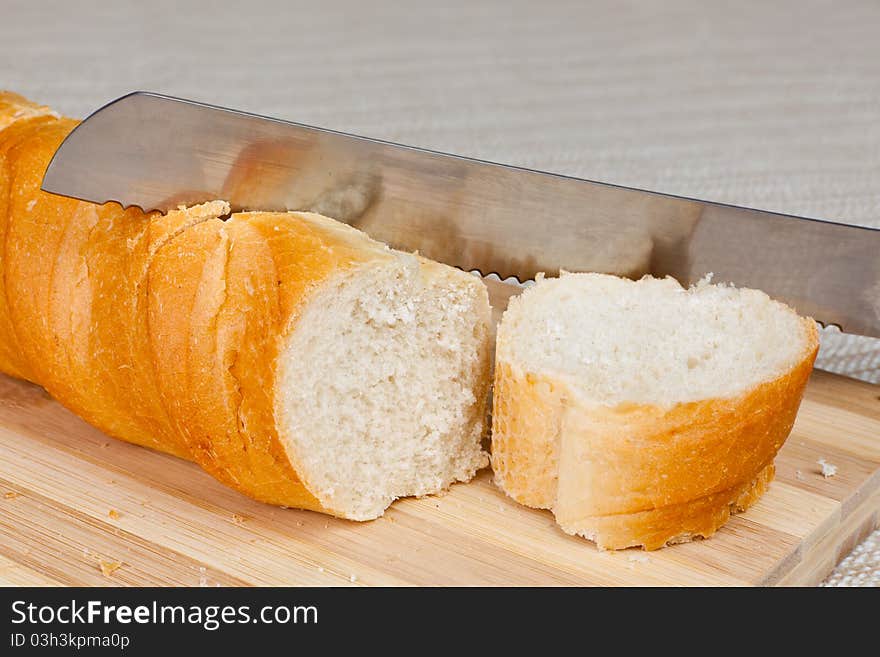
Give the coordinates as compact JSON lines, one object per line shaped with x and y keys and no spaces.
{"x":79,"y":508}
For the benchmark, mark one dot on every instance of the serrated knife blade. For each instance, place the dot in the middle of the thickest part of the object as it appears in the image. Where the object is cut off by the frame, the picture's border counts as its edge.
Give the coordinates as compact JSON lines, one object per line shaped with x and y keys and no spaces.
{"x":157,"y":152}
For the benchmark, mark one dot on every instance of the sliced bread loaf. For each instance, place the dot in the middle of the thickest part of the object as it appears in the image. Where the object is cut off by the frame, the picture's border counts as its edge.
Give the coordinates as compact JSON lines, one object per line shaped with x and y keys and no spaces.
{"x":642,"y":413}
{"x":291,"y":356}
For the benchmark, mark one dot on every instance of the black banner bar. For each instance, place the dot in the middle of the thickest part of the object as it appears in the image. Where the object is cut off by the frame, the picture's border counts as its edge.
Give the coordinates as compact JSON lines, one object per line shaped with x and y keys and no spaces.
{"x":136,"y":621}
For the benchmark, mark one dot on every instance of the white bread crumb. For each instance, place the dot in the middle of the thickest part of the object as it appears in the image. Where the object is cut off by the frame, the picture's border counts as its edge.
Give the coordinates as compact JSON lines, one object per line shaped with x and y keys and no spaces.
{"x":828,"y":469}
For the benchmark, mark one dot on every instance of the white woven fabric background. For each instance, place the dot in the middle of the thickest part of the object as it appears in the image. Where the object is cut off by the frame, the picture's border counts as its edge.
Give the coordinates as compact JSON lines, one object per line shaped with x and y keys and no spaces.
{"x":771,"y":105}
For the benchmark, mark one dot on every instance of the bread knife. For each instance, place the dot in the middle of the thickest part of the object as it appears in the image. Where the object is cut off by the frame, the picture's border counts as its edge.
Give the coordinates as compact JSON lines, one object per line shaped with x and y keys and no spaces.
{"x":158,"y":152}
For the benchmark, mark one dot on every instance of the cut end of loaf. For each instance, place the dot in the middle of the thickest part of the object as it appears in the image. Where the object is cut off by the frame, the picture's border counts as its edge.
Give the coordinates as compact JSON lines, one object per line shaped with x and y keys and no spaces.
{"x":383,"y":384}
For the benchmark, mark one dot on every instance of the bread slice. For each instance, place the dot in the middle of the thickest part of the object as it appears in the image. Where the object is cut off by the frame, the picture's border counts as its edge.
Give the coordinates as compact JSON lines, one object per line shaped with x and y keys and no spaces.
{"x":291,"y":356}
{"x":642,"y":413}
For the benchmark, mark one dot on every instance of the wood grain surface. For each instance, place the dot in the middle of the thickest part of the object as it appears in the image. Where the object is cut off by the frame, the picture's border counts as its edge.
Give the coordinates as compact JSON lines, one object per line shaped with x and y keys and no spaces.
{"x":80,"y":508}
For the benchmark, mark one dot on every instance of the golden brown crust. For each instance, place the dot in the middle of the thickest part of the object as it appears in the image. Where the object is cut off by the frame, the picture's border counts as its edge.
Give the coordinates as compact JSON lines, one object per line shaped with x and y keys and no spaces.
{"x":637,"y":474}
{"x":526,"y":409}
{"x":675,"y":523}
{"x":160,"y":330}
{"x":15,"y":108}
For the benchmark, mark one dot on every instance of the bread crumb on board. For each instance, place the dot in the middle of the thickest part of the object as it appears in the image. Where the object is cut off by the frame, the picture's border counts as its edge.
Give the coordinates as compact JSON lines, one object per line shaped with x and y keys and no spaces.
{"x":827,"y":469}
{"x":114,"y":514}
{"x":109,"y":566}
{"x":11,"y":495}
{"x":237,"y":519}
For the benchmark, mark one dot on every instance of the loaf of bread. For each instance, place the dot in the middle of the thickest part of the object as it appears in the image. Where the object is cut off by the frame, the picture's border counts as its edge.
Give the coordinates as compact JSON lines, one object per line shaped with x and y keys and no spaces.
{"x":289,"y":355}
{"x":642,"y":413}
